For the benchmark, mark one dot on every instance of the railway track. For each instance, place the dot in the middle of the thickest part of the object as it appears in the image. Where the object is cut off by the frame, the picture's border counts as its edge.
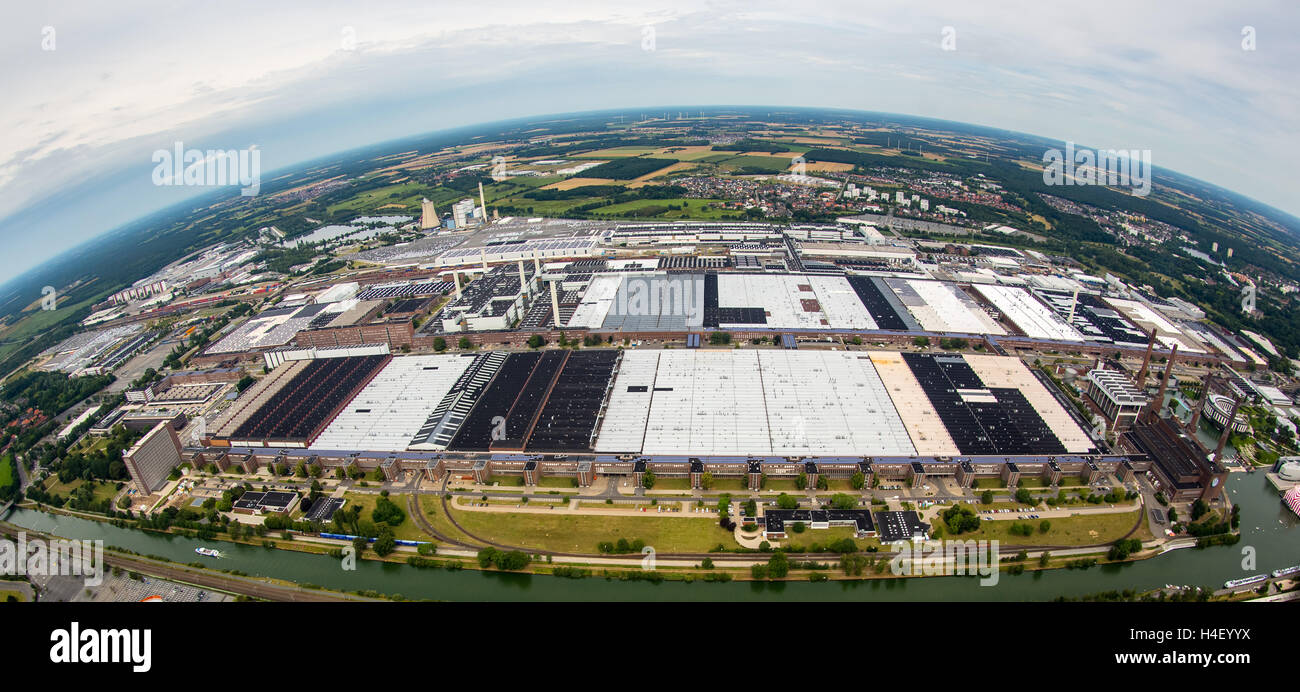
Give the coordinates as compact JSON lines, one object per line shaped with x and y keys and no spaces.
{"x":417,"y":514}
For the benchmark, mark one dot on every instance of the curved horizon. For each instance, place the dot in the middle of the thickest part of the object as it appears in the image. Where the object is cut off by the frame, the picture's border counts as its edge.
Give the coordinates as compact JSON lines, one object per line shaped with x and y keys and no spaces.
{"x":470,"y":131}
{"x":75,"y":159}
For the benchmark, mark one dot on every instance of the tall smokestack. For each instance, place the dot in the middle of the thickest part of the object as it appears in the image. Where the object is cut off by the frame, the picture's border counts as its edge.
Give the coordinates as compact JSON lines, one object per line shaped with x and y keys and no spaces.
{"x":1227,"y":429}
{"x":1164,"y":382}
{"x":482,"y":257}
{"x":1074,"y":302}
{"x":456,"y":275}
{"x":481,"y":201}
{"x":523,"y":282}
{"x":537,"y":265}
{"x":1200,"y":405}
{"x":555,"y":305}
{"x":1146,"y":361}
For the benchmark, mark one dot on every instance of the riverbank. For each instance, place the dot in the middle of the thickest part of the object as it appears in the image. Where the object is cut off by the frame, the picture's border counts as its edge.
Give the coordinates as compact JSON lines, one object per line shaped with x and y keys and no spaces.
{"x":726,"y":566}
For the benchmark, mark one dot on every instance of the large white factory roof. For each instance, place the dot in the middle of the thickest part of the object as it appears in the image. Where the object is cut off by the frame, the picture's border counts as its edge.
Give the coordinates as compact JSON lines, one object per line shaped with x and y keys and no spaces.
{"x":390,"y":410}
{"x":943,"y":307}
{"x":1167,"y":333}
{"x":795,"y":301}
{"x":737,"y":403}
{"x":1028,"y":313}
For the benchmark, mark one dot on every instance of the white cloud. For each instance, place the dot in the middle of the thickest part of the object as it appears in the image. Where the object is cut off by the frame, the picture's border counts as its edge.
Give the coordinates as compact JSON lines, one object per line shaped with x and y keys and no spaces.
{"x":130,"y":76}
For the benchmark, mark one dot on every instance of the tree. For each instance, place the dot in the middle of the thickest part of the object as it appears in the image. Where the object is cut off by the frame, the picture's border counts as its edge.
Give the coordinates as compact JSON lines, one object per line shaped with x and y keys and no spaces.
{"x":386,"y":543}
{"x":1023,"y":496}
{"x":706,"y":480}
{"x":1044,"y":526}
{"x":801,"y":481}
{"x":778,"y":566}
{"x":536,"y":341}
{"x":439,"y":344}
{"x":387,"y":512}
{"x":986,"y":497}
{"x":1199,"y":508}
{"x":465,"y":344}
{"x":960,"y":519}
{"x":921,"y":341}
{"x":648,"y":479}
{"x":857,"y":480}
{"x":823,"y":483}
{"x":787,"y":502}
{"x":843,"y":501}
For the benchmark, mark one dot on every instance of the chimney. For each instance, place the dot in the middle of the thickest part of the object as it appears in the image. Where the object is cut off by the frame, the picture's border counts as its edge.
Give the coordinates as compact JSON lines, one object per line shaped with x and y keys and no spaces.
{"x":523,"y":281}
{"x":456,"y":275}
{"x":1200,"y":405}
{"x":537,"y":265}
{"x":481,"y":201}
{"x":1227,"y":429}
{"x":1146,"y":361}
{"x":555,"y":305}
{"x":1164,"y":382}
{"x":1074,"y":303}
{"x":482,"y":256}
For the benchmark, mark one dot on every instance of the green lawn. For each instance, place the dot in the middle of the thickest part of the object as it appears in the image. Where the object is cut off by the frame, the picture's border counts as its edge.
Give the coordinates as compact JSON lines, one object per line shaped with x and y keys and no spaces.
{"x":7,"y":471}
{"x":1078,"y":530}
{"x":672,"y":483}
{"x":770,"y":164}
{"x":104,"y":490}
{"x":407,"y":530}
{"x":575,"y":533}
{"x":5,"y":594}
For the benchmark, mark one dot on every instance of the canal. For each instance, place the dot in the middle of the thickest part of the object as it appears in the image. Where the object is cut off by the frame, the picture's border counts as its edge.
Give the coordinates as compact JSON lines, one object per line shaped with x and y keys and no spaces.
{"x":1266,"y":525}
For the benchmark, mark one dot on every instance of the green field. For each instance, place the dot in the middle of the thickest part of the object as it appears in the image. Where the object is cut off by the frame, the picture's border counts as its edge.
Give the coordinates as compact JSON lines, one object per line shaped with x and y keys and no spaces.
{"x":574,"y":533}
{"x":658,"y":208}
{"x":628,"y":168}
{"x":7,"y":472}
{"x":407,"y":530}
{"x":768,"y":164}
{"x":103,"y":490}
{"x":34,"y":323}
{"x":616,"y":152}
{"x":1078,"y":530}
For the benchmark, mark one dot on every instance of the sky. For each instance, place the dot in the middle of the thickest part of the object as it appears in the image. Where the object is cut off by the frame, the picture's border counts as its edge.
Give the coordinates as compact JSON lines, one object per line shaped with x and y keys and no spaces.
{"x":91,"y":90}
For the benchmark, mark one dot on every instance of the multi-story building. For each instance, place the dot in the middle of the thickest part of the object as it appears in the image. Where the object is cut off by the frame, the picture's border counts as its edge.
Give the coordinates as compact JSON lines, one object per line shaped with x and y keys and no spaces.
{"x":1114,"y":397}
{"x":428,"y":215}
{"x":152,"y":459}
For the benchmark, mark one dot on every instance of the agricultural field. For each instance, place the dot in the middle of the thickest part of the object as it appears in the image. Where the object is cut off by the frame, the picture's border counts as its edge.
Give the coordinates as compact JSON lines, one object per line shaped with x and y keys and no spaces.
{"x":628,"y":169}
